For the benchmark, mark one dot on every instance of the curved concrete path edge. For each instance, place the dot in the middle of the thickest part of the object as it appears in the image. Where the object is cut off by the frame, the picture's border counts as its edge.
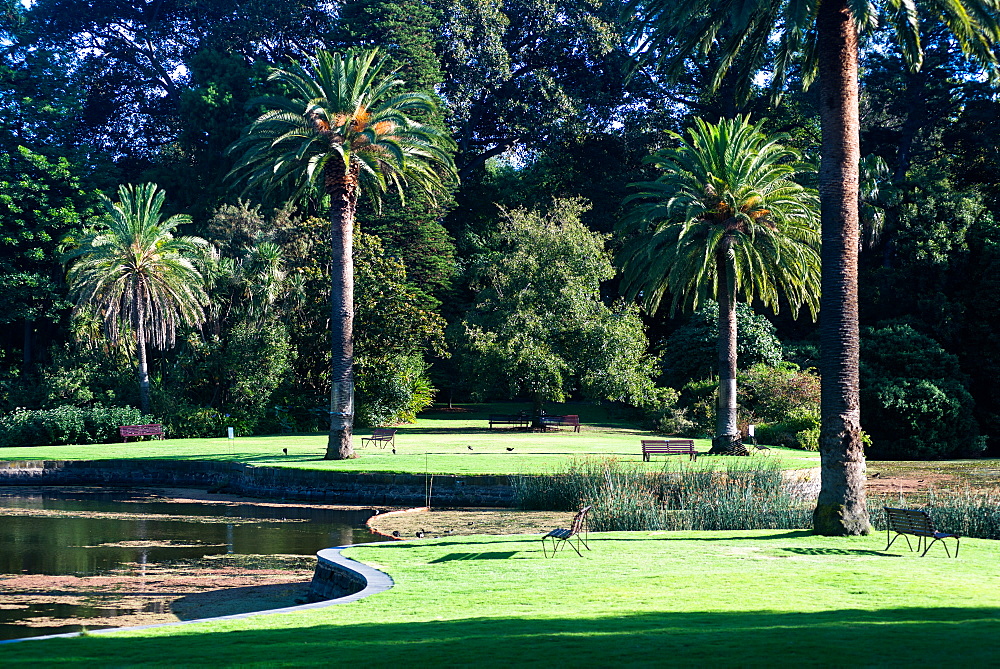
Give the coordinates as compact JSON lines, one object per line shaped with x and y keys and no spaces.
{"x":375,"y":582}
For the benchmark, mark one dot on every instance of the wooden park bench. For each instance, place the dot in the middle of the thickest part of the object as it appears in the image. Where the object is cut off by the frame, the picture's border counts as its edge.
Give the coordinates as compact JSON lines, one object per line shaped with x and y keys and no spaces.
{"x":516,"y":421}
{"x":668,"y":447}
{"x":565,"y":535}
{"x":151,"y":430}
{"x":381,"y":436}
{"x":558,"y":421}
{"x":919,"y":524}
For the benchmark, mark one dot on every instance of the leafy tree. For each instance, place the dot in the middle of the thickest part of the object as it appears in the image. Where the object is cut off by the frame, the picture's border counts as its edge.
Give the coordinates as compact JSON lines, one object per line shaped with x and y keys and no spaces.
{"x":142,"y":280}
{"x":827,"y":32}
{"x":342,"y":128}
{"x":724,"y":220}
{"x":539,"y":328}
{"x":916,"y":397}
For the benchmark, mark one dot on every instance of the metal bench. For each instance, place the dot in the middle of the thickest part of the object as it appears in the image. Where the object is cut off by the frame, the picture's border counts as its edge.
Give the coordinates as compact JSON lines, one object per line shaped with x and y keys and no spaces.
{"x":381,"y":436}
{"x":668,"y":447}
{"x":919,"y":524}
{"x":150,"y":430}
{"x":515,"y":421}
{"x":565,"y":535}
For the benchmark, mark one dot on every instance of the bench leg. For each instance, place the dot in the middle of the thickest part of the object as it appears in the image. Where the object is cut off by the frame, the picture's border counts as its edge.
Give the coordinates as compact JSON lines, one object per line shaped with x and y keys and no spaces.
{"x":898,"y":535}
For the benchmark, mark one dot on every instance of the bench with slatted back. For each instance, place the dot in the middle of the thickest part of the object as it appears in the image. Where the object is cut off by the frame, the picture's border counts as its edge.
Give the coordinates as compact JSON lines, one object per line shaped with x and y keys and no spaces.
{"x":919,"y":524}
{"x":562,"y":536}
{"x":558,"y":421}
{"x":381,"y":436}
{"x":150,"y":430}
{"x":668,"y":447}
{"x":518,"y":421}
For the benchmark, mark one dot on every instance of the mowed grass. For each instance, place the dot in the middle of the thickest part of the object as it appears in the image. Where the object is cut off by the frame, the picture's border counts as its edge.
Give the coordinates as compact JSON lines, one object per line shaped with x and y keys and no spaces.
{"x":439,"y":443}
{"x":749,"y":598}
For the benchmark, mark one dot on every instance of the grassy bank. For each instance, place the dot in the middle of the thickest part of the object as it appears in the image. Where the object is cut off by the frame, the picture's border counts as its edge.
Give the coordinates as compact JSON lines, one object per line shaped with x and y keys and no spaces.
{"x":749,"y":598}
{"x":439,"y":442}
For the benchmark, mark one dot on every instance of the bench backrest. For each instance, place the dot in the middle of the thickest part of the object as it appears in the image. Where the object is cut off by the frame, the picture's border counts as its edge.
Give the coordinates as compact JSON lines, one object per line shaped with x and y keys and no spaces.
{"x":140,"y":430}
{"x":910,"y":521}
{"x":578,"y":520}
{"x":571,"y":420}
{"x":683,"y":445}
{"x":383,"y":432}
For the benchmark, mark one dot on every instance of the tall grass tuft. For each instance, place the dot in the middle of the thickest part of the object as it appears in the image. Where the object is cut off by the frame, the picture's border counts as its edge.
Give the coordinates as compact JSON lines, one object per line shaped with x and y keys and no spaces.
{"x":624,"y":496}
{"x":969,"y":513}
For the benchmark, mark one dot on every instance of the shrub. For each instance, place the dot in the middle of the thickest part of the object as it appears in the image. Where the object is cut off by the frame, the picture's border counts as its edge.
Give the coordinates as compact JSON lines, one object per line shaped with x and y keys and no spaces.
{"x":68,"y":425}
{"x":799,"y":429}
{"x":914,"y":397}
{"x":392,"y":390}
{"x":743,"y":495}
{"x":188,"y":421}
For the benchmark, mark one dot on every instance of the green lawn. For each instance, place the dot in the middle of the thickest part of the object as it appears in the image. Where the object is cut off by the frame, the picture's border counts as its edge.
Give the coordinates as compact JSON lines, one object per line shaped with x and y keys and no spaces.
{"x":438,"y":442}
{"x":749,"y":598}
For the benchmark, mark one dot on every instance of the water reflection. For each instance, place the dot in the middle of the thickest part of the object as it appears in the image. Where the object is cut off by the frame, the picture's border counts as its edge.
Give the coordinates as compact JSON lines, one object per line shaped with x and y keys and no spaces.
{"x":107,"y":531}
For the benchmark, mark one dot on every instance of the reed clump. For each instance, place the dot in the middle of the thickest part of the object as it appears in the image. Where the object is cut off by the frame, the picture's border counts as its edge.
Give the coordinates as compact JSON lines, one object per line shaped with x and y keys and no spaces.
{"x":625,"y":496}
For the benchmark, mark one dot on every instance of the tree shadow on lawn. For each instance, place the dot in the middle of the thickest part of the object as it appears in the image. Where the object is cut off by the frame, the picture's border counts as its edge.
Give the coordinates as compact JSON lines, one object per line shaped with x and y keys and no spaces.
{"x":846,"y":637}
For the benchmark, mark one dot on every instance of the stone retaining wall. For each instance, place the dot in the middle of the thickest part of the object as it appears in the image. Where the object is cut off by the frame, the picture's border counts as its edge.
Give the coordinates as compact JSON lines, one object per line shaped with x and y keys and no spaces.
{"x":374,"y":488}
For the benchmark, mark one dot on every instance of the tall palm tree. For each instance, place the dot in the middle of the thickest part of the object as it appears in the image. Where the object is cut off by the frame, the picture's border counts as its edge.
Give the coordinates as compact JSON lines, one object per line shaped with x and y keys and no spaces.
{"x":825,"y":34}
{"x":725,"y":220}
{"x":342,"y":128}
{"x":138,"y":275}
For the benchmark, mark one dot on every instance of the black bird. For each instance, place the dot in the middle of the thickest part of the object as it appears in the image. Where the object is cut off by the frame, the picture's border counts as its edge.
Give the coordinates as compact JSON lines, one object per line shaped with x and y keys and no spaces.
{"x":469,"y":447}
{"x":420,"y":534}
{"x":510,"y":448}
{"x":285,"y":451}
{"x":394,"y":451}
{"x":875,"y":475}
{"x":395,"y":533}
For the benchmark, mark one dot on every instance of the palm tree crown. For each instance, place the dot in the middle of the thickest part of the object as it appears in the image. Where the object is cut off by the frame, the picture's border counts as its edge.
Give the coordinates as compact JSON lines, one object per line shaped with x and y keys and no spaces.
{"x":726,"y":192}
{"x":138,"y":274}
{"x":341,"y":120}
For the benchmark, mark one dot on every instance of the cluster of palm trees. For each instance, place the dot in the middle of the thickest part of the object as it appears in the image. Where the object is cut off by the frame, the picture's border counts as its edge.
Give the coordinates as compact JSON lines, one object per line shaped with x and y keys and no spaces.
{"x":726,"y":218}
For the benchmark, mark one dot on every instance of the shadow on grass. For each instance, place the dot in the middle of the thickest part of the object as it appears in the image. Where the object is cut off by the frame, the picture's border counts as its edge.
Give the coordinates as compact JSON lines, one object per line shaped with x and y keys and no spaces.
{"x":451,"y":557}
{"x":916,"y":636}
{"x":836,"y":551}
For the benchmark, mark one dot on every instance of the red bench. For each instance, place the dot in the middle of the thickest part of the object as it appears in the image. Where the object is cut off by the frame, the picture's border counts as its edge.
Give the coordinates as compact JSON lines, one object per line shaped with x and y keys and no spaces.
{"x":668,"y":447}
{"x":151,"y":430}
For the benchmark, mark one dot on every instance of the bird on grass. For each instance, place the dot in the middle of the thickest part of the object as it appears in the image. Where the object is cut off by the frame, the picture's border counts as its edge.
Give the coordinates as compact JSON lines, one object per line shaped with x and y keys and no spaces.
{"x":285,"y":451}
{"x":395,"y":533}
{"x":420,"y":534}
{"x":510,"y":448}
{"x":394,"y":451}
{"x":469,"y":447}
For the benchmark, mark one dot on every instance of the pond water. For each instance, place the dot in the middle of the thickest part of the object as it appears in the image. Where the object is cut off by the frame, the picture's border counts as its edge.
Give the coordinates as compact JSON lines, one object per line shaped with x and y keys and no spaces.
{"x":102,"y":532}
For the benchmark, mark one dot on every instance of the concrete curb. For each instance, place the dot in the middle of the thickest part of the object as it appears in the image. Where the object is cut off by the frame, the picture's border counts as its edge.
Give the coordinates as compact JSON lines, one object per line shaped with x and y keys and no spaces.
{"x":375,"y":582}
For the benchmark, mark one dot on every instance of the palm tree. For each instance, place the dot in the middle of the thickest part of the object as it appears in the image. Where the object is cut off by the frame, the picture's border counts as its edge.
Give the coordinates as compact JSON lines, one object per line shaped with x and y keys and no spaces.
{"x":826,"y":34}
{"x":725,"y":220}
{"x":138,"y":276}
{"x":342,"y":128}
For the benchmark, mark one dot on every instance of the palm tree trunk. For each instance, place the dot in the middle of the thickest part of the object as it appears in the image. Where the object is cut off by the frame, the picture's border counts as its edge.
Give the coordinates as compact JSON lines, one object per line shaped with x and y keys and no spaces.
{"x":343,"y":191}
{"x":840,"y":509}
{"x":140,"y":350}
{"x":726,"y":429}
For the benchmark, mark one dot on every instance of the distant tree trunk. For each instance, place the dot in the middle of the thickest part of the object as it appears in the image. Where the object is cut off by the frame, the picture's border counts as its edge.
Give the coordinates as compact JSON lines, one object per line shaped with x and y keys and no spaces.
{"x":841,"y":508}
{"x":343,"y":192}
{"x":726,"y":429}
